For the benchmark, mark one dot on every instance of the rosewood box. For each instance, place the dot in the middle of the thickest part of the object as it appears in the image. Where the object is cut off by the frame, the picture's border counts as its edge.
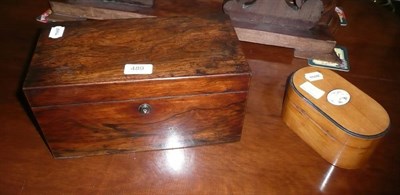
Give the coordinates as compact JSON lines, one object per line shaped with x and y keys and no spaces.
{"x":102,"y":87}
{"x":338,"y":120}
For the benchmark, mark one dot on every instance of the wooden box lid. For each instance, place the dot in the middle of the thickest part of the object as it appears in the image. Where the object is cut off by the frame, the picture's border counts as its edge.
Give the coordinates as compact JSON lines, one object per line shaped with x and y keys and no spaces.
{"x":340,"y":102}
{"x":190,"y":55}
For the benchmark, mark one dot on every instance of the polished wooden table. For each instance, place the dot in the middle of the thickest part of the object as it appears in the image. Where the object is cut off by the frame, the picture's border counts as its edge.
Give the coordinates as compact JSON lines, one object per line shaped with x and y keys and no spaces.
{"x":269,"y":159}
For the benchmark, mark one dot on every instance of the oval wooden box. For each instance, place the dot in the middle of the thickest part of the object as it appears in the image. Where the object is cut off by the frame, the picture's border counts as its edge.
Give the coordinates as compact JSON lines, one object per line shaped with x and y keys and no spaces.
{"x":85,"y":103}
{"x":344,"y":128}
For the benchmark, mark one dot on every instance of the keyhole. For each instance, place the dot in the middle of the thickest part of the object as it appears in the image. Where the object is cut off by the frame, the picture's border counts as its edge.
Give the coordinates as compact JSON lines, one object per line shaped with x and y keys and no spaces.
{"x":144,"y":108}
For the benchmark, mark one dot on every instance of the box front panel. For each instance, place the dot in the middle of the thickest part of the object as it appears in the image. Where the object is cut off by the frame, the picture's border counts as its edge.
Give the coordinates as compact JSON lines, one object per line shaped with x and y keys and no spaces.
{"x":114,"y":127}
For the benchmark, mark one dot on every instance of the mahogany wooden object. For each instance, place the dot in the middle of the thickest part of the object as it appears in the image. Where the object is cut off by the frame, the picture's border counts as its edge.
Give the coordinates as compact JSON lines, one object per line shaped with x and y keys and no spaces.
{"x":272,"y":22}
{"x":89,"y":11}
{"x":115,"y":4}
{"x":269,"y":159}
{"x":344,"y":125}
{"x":86,"y":105}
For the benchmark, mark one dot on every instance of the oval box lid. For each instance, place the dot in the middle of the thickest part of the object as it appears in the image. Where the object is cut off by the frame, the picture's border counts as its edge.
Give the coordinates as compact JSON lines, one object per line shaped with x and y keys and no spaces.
{"x":342,"y":103}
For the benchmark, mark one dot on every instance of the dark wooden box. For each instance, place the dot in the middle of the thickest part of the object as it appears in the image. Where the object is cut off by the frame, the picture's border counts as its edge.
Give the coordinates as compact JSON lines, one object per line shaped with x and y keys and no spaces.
{"x":86,"y":105}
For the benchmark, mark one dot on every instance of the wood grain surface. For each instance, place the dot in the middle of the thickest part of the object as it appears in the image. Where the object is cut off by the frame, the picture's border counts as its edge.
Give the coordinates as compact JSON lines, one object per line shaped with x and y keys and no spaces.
{"x":345,"y":135}
{"x":117,"y":127}
{"x":190,"y":55}
{"x":209,"y":45}
{"x":362,"y":116}
{"x":277,"y":12}
{"x":269,"y":159}
{"x":86,"y":105}
{"x":270,"y":22}
{"x":89,"y":12}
